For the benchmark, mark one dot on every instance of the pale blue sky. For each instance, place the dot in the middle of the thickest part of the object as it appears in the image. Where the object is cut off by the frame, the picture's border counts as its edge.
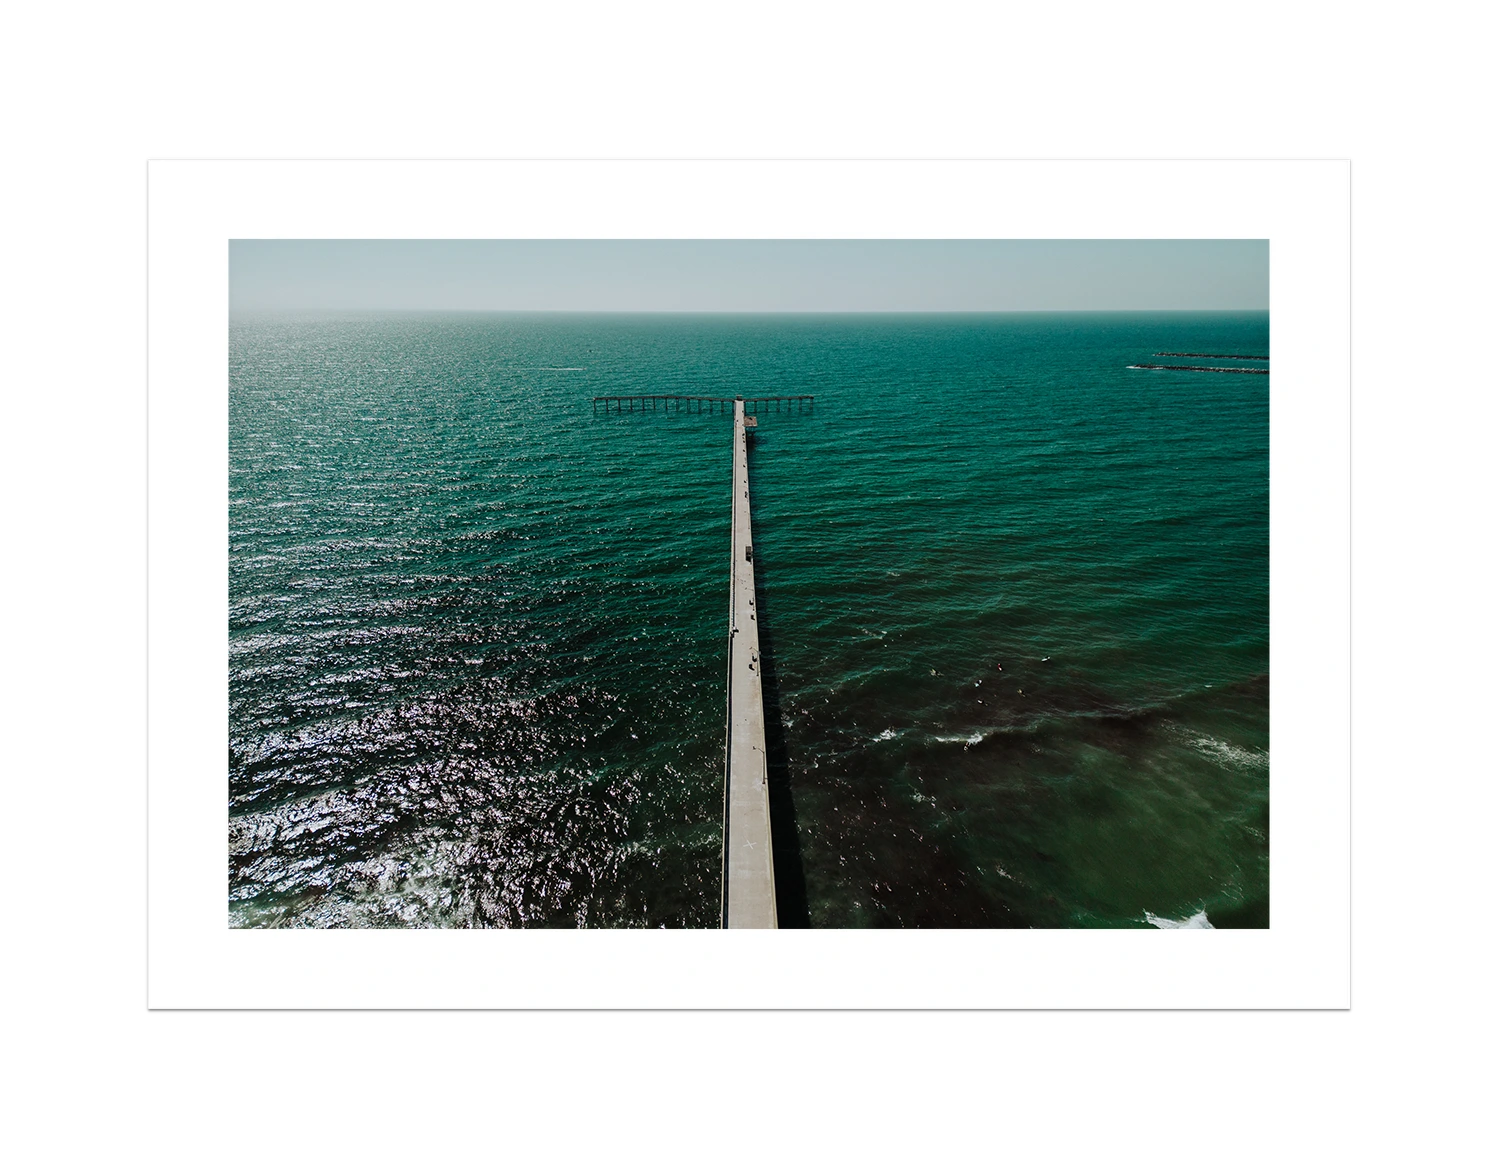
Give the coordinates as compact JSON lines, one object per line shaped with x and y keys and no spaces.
{"x":749,"y":275}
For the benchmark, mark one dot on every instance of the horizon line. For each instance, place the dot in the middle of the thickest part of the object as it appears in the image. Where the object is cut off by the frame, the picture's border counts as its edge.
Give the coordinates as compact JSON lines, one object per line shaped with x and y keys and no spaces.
{"x":735,"y":312}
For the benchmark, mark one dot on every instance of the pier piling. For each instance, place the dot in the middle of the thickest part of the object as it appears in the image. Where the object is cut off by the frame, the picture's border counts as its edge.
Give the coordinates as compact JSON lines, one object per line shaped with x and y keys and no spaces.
{"x":696,"y":403}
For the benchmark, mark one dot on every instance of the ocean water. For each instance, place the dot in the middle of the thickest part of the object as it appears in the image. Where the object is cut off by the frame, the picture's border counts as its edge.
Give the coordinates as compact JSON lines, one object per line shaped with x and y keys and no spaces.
{"x":1014,"y":601}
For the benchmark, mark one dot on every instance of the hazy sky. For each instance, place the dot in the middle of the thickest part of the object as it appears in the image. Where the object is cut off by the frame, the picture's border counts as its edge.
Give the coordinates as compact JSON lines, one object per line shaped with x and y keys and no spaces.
{"x":749,"y":275}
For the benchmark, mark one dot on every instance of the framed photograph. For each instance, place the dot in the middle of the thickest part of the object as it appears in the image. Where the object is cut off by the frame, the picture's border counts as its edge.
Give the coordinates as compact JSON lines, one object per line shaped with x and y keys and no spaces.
{"x":885,"y":577}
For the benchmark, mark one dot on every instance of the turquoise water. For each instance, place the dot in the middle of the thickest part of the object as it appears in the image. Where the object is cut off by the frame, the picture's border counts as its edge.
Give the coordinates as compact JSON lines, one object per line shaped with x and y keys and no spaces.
{"x":1014,"y":602}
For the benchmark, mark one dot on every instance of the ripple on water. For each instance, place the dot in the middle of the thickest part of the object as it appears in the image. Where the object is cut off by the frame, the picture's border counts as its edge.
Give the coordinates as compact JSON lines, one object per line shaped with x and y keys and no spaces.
{"x":476,"y":630}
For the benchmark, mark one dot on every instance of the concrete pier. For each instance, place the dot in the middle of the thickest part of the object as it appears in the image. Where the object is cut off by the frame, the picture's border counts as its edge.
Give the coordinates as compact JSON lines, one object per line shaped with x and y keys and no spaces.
{"x":749,"y":895}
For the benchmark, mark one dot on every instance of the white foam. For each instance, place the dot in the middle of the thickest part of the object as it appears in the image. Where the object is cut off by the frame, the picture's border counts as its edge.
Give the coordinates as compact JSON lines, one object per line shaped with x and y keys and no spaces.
{"x":968,"y":740}
{"x":1227,"y":753}
{"x":888,"y":733}
{"x":1198,"y":921}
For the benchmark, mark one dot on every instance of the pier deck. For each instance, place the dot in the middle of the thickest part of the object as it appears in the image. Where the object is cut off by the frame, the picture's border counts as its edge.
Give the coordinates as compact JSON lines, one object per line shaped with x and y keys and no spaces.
{"x":749,"y":897}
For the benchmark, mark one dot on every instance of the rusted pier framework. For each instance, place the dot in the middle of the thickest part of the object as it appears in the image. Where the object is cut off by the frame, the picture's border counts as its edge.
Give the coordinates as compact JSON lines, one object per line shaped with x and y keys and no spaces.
{"x":695,"y":405}
{"x":1202,"y":369}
